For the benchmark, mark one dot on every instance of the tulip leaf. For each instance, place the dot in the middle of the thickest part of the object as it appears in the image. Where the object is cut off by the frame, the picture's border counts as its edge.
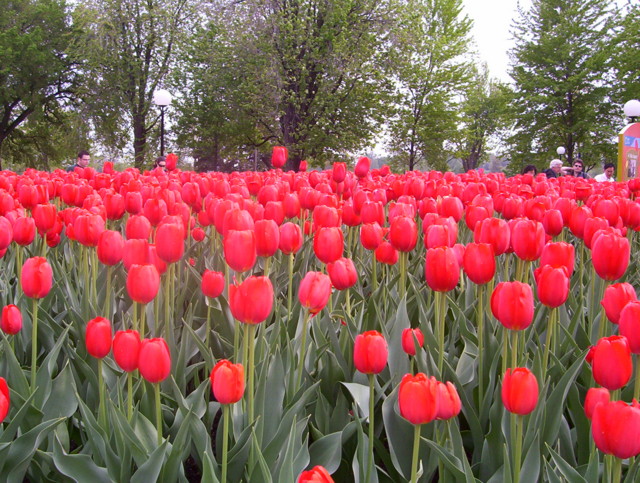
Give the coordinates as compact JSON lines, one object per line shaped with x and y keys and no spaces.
{"x":208,"y":469}
{"x":451,"y":462}
{"x":327,"y":451}
{"x":62,"y":402}
{"x":150,"y":469}
{"x":79,"y":467}
{"x":531,"y":463}
{"x":565,"y":469}
{"x":360,"y":394}
{"x":261,"y":469}
{"x":178,"y":451}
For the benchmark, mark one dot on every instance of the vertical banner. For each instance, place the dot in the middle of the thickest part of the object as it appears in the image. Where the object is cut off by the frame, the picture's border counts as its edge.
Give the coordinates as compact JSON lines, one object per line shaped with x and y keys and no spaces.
{"x":629,"y":152}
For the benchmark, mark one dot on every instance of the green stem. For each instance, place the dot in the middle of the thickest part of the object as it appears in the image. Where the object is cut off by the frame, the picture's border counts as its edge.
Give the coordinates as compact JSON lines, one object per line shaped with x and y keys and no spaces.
{"x":207,"y":336}
{"x":348,"y":298}
{"x":416,"y":451}
{"x":617,"y":470}
{"x":129,"y":395}
{"x":602,"y":329}
{"x":303,"y":348}
{"x":371,"y":426}
{"x":167,"y":300}
{"x":267,"y":266}
{"x":158,"y":413}
{"x":236,"y":340}
{"x":225,"y":441}
{"x":517,"y":457}
{"x":34,"y":343}
{"x":374,"y":274}
{"x":101,"y":392}
{"x":290,"y":293}
{"x":441,"y":304}
{"x":480,"y":323}
{"x":549,"y":342}
{"x":251,"y":367}
{"x":135,"y":316}
{"x":143,"y":317}
{"x":505,"y":348}
{"x":514,"y":348}
{"x":403,"y":274}
{"x":107,"y":294}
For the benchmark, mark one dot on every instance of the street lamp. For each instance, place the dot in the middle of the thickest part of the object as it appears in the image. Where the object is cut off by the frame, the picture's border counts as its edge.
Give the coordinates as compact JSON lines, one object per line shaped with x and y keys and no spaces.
{"x":632,"y":109}
{"x":162,"y":98}
{"x":560,"y":151}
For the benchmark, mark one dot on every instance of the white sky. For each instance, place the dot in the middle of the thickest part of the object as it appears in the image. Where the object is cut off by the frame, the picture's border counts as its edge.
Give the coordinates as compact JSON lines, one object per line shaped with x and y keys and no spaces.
{"x":492,"y":23}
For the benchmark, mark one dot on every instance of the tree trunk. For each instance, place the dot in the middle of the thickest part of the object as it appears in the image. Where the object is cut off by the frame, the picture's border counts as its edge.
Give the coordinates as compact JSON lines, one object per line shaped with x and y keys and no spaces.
{"x":139,"y":140}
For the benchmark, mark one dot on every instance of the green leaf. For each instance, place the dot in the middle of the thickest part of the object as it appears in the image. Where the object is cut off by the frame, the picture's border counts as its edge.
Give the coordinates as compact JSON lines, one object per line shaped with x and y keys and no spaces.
{"x":150,"y":470}
{"x":327,"y":451}
{"x":566,"y":470}
{"x":79,"y":467}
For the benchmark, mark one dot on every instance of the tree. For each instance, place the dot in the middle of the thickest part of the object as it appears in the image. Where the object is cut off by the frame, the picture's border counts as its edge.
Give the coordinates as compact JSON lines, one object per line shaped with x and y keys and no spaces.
{"x":627,"y":55}
{"x":430,"y":70}
{"x":563,"y":81}
{"x":37,"y":75}
{"x":302,"y":73}
{"x":129,"y":47}
{"x":484,"y":115}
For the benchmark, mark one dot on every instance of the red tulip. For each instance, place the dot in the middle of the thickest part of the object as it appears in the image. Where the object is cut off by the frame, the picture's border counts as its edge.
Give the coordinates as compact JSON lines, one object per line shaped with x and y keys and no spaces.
{"x":143,"y":283}
{"x":610,"y":255}
{"x":591,"y":226}
{"x":267,"y":237}
{"x":519,"y":391}
{"x":494,"y":231}
{"x":418,"y":398}
{"x":370,"y":352}
{"x":133,"y":203}
{"x":155,"y":209}
{"x":579,"y":216}
{"x":198,"y":234}
{"x":212,"y":283}
{"x":372,"y":212}
{"x":98,"y":337}
{"x":403,"y":233}
{"x":339,"y":172}
{"x":279,"y":156}
{"x":343,"y":273}
{"x":362,"y":167}
{"x":154,"y":360}
{"x":449,"y":403}
{"x":11,"y":319}
{"x":314,"y":292}
{"x":328,"y":244}
{"x":630,"y":325}
{"x":135,"y":252}
{"x":528,"y":239}
{"x":227,"y":382}
{"x":88,"y":228}
{"x":45,"y":217}
{"x":595,"y":396}
{"x":615,"y":428}
{"x":24,"y":230}
{"x":479,"y":262}
{"x":371,"y":236}
{"x":450,"y":206}
{"x":512,"y":305}
{"x":326,"y":216}
{"x":474,"y":214}
{"x":5,"y":399}
{"x":114,"y":206}
{"x":138,"y":227}
{"x":252,"y":300}
{"x":442,"y":271}
{"x":409,"y":345}
{"x":110,"y":247}
{"x":553,"y":285}
{"x":440,"y":235}
{"x":171,"y":161}
{"x":317,"y":474}
{"x":616,"y":297}
{"x":126,"y":349}
{"x":274,"y":211}
{"x":6,"y":233}
{"x":559,"y":254}
{"x":36,"y":278}
{"x":170,"y":242}
{"x":385,"y":253}
{"x":610,"y":361}
{"x":552,"y":222}
{"x":290,"y":238}
{"x":240,"y":249}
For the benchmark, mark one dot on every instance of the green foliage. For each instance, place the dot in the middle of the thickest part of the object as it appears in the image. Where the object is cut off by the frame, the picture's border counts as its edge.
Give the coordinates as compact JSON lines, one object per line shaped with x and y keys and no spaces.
{"x":429,"y":68}
{"x":563,"y":78}
{"x":627,"y":55}
{"x":37,"y":75}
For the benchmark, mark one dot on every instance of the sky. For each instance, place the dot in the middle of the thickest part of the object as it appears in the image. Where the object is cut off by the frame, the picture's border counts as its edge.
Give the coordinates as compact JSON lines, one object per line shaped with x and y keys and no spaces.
{"x":492,"y":22}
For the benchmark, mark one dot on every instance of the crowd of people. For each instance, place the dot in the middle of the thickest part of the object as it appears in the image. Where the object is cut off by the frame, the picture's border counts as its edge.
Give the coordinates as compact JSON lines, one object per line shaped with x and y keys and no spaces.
{"x":556,"y":170}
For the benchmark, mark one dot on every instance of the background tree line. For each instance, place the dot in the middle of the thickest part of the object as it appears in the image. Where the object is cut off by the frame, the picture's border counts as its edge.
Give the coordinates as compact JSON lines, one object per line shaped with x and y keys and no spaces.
{"x":326,"y":79}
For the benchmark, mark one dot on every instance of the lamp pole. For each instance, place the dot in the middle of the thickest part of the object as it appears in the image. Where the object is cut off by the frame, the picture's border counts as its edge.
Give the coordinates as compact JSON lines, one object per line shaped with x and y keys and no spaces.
{"x":162,"y":98}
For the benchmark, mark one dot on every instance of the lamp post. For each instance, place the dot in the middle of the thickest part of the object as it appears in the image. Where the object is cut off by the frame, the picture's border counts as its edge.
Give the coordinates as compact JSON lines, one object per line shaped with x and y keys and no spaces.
{"x":162,"y":98}
{"x":560,"y":151}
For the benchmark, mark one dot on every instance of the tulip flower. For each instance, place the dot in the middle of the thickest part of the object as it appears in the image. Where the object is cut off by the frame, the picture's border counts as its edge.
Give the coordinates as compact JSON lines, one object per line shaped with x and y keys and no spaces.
{"x":98,"y":341}
{"x":6,"y":233}
{"x":328,"y":244}
{"x":595,"y":396}
{"x":155,"y":209}
{"x":5,"y":399}
{"x":290,"y":240}
{"x":553,"y":285}
{"x":512,"y":305}
{"x":385,"y":253}
{"x":343,"y":273}
{"x":371,"y":236}
{"x":240,"y":249}
{"x":279,"y":156}
{"x":418,"y":399}
{"x":616,"y":297}
{"x":370,"y":353}
{"x":11,"y":319}
{"x":362,"y":167}
{"x":267,"y":234}
{"x":126,"y":351}
{"x":479,"y":262}
{"x":317,"y":474}
{"x":24,"y":231}
{"x":44,"y":216}
{"x":110,"y":247}
{"x":170,"y":242}
{"x":610,"y":361}
{"x":615,"y":427}
{"x":212,"y":283}
{"x":528,"y":239}
{"x":558,"y":254}
{"x":143,"y":283}
{"x":154,"y":363}
{"x":449,"y":403}
{"x":610,"y":255}
{"x":227,"y":385}
{"x":251,"y":301}
{"x":138,"y":227}
{"x":411,"y":340}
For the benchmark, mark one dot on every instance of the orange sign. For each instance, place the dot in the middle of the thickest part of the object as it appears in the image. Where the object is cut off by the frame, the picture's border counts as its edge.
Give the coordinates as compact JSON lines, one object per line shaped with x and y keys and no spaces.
{"x":628,"y":152}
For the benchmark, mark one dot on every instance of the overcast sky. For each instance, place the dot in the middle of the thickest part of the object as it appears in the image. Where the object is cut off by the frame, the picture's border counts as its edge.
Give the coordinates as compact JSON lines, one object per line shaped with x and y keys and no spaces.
{"x":492,"y":22}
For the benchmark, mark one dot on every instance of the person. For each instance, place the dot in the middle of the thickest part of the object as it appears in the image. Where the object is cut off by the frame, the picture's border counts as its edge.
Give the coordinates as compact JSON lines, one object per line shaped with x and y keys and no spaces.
{"x":82,"y":161}
{"x":609,"y":168}
{"x":578,"y":169}
{"x":555,"y":167}
{"x":530,"y":169}
{"x":160,"y":162}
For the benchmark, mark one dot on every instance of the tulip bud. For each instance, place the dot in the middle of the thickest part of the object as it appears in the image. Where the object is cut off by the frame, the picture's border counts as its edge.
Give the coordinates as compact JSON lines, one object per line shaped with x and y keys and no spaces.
{"x":154,"y":360}
{"x":98,"y":337}
{"x":317,"y":474}
{"x":314,"y":292}
{"x":595,"y":396}
{"x":36,"y":277}
{"x":512,"y":305}
{"x":212,"y":283}
{"x":519,"y":391}
{"x":5,"y":399}
{"x":411,"y":340}
{"x":126,"y":349}
{"x":449,"y":403}
{"x":370,"y":352}
{"x":610,"y":361}
{"x":418,"y":398}
{"x":143,"y":283}
{"x":343,"y":273}
{"x":227,"y":382}
{"x":11,"y":319}
{"x":252,"y":300}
